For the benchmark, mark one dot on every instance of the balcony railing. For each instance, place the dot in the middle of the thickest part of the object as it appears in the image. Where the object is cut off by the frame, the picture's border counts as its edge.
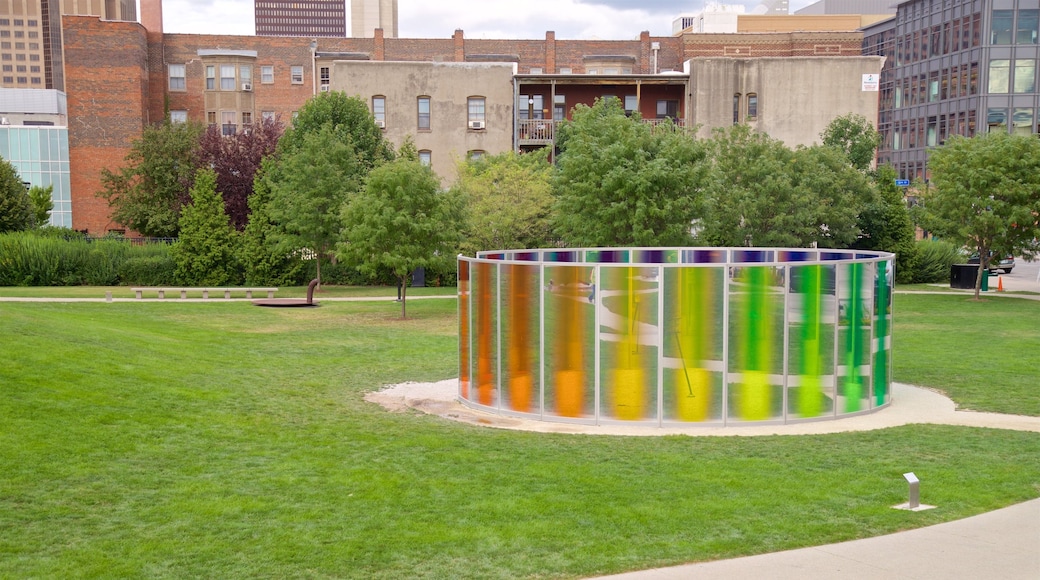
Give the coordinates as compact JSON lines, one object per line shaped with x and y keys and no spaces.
{"x":543,"y":131}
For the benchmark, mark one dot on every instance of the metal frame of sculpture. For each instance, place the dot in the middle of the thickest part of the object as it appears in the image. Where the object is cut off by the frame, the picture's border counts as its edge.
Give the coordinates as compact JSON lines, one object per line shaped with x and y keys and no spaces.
{"x":676,"y":336}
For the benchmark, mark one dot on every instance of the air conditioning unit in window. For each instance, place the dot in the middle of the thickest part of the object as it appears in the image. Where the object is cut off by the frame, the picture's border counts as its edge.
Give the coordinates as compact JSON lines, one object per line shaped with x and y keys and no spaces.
{"x":247,"y":87}
{"x":324,"y":88}
{"x":476,"y":124}
{"x":381,"y":123}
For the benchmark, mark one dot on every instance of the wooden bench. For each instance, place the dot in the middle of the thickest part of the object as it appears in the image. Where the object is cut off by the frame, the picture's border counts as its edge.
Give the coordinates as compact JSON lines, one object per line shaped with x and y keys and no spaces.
{"x":139,"y":292}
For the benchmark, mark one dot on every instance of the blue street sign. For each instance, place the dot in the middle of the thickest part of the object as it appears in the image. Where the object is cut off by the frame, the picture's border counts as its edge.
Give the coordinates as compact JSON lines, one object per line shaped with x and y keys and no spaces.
{"x":902,"y":183}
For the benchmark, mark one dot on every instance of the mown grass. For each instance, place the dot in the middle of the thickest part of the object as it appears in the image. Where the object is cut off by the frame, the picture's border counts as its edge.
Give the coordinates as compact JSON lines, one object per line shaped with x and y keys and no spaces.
{"x":224,"y":440}
{"x":326,"y":291}
{"x":984,"y":354}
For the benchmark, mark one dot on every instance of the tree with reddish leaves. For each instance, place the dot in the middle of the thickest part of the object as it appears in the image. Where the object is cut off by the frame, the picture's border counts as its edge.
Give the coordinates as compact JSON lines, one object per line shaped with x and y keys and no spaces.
{"x":235,"y":159}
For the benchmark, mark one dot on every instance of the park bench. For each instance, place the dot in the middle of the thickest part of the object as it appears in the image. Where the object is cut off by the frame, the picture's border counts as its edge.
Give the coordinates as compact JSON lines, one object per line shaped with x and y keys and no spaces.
{"x":139,"y":292}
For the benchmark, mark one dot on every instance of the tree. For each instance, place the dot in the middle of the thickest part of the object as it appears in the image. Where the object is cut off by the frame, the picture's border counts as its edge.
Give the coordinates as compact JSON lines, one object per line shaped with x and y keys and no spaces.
{"x":348,"y":118}
{"x":206,"y":251}
{"x":761,"y":193}
{"x":885,"y":224}
{"x":236,"y":159}
{"x":620,"y":182}
{"x":855,"y":136}
{"x":508,"y":201}
{"x":309,"y":186}
{"x":40,"y":197}
{"x":399,"y":222}
{"x":265,"y":263}
{"x":985,"y":194}
{"x":146,"y":194}
{"x":16,"y":212}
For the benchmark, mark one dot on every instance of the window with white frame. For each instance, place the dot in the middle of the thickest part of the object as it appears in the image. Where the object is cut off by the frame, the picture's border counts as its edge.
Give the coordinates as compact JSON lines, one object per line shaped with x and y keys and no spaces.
{"x":631,"y":104}
{"x":211,"y":77}
{"x":424,"y":113}
{"x":752,"y":107}
{"x":177,"y":82}
{"x":267,"y":74}
{"x":379,"y":110}
{"x":245,"y":74}
{"x":227,"y":77}
{"x":227,"y":123}
{"x":325,"y":74}
{"x":266,"y":116}
{"x":426,"y":157}
{"x":247,"y":119}
{"x":476,"y":155}
{"x":296,"y":74}
{"x":178,"y":116}
{"x":476,"y":113}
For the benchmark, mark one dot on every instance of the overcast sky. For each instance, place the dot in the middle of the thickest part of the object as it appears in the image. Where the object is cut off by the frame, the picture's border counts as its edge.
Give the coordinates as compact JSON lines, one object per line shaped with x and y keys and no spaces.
{"x":570,"y":19}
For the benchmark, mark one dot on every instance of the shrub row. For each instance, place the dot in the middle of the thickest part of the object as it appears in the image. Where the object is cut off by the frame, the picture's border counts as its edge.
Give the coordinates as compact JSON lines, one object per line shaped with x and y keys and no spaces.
{"x":63,"y":258}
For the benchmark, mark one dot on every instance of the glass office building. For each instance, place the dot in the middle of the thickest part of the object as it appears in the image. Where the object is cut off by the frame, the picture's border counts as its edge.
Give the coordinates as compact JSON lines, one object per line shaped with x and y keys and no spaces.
{"x":40,"y":154}
{"x":954,"y":67}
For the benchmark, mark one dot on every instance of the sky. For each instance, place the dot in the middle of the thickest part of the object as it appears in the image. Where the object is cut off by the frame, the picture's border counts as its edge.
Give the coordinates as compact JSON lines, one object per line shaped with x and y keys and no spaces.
{"x":570,"y":19}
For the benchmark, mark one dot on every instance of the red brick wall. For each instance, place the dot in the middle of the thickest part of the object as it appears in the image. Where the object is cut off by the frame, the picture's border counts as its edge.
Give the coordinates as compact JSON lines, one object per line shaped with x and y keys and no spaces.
{"x":772,"y":44}
{"x":106,"y":81}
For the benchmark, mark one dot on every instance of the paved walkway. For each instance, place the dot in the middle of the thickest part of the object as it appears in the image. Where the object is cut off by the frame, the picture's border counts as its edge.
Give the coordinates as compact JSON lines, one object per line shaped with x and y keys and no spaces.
{"x":1003,"y":544}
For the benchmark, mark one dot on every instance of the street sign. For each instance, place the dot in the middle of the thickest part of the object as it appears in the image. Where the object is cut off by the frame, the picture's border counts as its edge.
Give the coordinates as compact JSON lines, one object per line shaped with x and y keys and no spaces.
{"x":902,"y":183}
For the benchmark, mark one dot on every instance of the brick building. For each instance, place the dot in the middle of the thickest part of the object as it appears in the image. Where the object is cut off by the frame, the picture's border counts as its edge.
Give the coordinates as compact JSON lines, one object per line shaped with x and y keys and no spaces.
{"x":121,"y":76}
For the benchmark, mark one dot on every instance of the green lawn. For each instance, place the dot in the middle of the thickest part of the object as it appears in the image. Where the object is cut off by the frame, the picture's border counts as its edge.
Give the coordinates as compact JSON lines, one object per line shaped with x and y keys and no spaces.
{"x":222,"y":440}
{"x":985,"y":355}
{"x":286,"y":292}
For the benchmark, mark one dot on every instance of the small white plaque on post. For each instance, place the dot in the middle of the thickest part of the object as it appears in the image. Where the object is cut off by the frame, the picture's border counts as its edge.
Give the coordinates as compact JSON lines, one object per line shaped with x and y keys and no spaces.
{"x":913,"y":504}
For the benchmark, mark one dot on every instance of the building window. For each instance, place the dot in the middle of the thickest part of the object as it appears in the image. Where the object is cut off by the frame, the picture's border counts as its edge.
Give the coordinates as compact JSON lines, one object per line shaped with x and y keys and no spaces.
{"x":996,"y":120}
{"x":736,"y":108}
{"x":267,"y":74}
{"x":325,"y":75}
{"x":379,"y":110}
{"x":178,"y":116}
{"x":1025,"y":75}
{"x":565,"y":70}
{"x":475,"y":155}
{"x":424,"y":113}
{"x":999,"y":76}
{"x":1026,"y":31}
{"x":631,"y":104}
{"x":266,"y":116}
{"x":211,"y":118}
{"x":211,"y":77}
{"x":476,"y":113}
{"x":530,"y":106}
{"x":536,"y":70}
{"x":752,"y":107}
{"x":247,"y":119}
{"x":296,"y":74}
{"x":245,"y":74}
{"x":176,"y":72}
{"x":559,"y":107}
{"x":1000,"y":29}
{"x":426,"y":157}
{"x":227,"y":123}
{"x":1022,"y":121}
{"x":227,"y":77}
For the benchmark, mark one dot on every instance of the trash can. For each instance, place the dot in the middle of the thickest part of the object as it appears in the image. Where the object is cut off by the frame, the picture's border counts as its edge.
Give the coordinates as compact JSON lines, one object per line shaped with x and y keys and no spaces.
{"x":962,"y":276}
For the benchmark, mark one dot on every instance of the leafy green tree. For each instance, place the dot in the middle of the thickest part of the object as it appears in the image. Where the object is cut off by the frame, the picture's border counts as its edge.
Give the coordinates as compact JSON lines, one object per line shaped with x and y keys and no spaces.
{"x":399,"y":222}
{"x":885,"y":224}
{"x":985,"y":194}
{"x":309,"y":186}
{"x":621,"y":182}
{"x":146,"y":194}
{"x":40,"y":197}
{"x":206,"y":251}
{"x":855,"y":136}
{"x":508,"y":201}
{"x":264,"y":262}
{"x":16,"y":211}
{"x":761,"y":193}
{"x":350,"y":121}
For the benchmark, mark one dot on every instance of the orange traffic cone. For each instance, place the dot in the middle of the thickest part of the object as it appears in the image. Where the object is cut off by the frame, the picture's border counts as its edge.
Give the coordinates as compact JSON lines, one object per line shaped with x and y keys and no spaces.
{"x":1000,"y":284}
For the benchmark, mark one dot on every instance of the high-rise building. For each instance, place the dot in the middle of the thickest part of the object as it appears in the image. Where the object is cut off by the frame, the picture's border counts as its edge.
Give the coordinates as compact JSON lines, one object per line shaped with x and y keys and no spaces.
{"x":314,"y":18}
{"x":368,"y":15}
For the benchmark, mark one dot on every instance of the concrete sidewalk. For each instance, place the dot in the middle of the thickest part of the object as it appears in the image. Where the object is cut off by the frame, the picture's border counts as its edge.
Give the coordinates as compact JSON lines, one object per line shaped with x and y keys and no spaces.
{"x":1002,"y":544}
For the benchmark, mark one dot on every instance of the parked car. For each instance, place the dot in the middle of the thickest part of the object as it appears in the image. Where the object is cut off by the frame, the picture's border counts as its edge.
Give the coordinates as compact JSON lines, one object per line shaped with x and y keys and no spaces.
{"x":1006,"y":263}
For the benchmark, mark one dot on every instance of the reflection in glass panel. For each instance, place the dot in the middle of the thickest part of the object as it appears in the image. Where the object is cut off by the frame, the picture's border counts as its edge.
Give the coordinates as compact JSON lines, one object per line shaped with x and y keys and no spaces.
{"x":1000,"y":29}
{"x":1022,"y":120}
{"x":999,"y":76}
{"x":693,"y":343}
{"x":996,"y":119}
{"x":1025,"y":75}
{"x":1026,"y":31}
{"x":756,"y":343}
{"x":627,"y":301}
